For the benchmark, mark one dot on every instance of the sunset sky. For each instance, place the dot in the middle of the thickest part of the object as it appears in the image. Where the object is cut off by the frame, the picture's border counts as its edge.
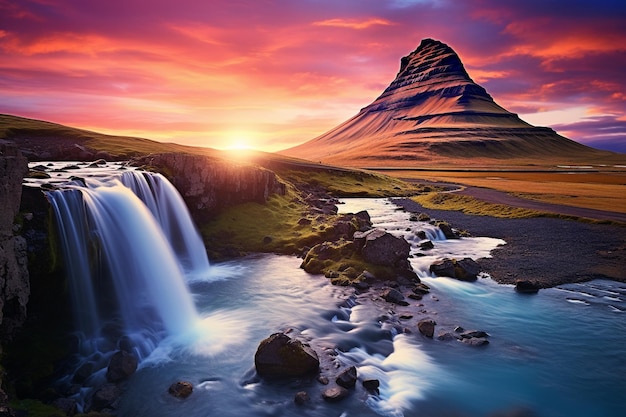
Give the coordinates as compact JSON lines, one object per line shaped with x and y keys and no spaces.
{"x":271,"y":74}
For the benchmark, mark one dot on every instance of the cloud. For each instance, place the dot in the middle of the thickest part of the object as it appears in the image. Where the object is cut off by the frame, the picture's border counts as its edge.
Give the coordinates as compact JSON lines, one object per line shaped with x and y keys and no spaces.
{"x":265,"y":65}
{"x":353,"y":24}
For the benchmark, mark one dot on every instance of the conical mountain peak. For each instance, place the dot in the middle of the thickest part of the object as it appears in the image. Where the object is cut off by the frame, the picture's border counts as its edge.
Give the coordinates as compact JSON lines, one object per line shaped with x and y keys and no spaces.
{"x":433,"y":112}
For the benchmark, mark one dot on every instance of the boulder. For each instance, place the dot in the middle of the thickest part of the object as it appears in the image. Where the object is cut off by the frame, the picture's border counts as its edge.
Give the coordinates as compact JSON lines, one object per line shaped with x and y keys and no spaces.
{"x":421,"y":289}
{"x":427,"y":327}
{"x":347,"y":378}
{"x":301,"y":398}
{"x":105,"y":397}
{"x":281,"y":356}
{"x":466,"y":269}
{"x":426,"y":245}
{"x":474,"y":337}
{"x":447,"y":230}
{"x":391,"y":295}
{"x":121,"y":366}
{"x":181,"y":389}
{"x":381,"y":248}
{"x":335,"y":394}
{"x":526,"y":287}
{"x":443,"y":268}
{"x":371,"y":385}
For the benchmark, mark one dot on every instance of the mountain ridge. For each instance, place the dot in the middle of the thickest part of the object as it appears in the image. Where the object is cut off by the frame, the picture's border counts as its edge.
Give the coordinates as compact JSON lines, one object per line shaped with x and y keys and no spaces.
{"x":433,"y":112}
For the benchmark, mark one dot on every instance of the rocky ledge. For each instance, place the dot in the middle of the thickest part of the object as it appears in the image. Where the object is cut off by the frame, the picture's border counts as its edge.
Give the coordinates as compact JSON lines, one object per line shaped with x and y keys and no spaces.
{"x":209,"y":185}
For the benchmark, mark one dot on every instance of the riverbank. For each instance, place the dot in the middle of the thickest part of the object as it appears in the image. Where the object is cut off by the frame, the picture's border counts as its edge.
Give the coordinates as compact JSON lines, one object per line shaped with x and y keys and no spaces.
{"x":547,"y":251}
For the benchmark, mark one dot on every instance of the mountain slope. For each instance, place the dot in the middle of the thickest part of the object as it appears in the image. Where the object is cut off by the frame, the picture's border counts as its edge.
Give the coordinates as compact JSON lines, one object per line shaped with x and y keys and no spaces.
{"x":433,"y":113}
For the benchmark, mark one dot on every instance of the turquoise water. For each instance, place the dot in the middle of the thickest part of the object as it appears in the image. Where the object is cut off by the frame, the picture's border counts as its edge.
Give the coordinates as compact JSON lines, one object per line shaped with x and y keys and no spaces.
{"x":557,"y":353}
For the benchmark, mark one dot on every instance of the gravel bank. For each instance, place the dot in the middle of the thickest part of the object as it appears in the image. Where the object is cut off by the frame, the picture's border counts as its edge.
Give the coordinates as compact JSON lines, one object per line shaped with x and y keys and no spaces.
{"x":547,"y":251}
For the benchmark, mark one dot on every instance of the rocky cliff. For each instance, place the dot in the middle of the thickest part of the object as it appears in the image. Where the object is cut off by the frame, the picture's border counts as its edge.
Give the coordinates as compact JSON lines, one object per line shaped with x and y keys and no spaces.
{"x":14,"y":282}
{"x":209,"y":185}
{"x":433,"y":112}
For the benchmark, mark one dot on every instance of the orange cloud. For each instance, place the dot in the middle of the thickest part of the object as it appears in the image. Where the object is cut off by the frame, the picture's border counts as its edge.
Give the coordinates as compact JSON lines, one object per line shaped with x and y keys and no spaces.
{"x":354,"y":24}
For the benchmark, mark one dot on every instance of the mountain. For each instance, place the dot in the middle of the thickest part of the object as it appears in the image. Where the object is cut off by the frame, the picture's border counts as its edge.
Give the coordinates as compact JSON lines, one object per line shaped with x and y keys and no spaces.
{"x":433,"y":113}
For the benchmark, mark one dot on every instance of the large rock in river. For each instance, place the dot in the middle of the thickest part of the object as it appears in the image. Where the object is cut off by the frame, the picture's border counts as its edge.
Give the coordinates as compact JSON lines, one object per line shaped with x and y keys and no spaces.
{"x":280,"y":355}
{"x":382,"y":248}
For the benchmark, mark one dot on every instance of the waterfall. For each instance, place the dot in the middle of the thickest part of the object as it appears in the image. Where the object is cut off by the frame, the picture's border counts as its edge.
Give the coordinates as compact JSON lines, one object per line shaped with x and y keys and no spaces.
{"x":127,"y":242}
{"x":167,"y":206}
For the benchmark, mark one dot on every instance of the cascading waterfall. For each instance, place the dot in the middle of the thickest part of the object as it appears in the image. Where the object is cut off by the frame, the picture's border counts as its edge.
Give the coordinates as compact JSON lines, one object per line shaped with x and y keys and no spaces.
{"x":127,"y":242}
{"x":166,"y":205}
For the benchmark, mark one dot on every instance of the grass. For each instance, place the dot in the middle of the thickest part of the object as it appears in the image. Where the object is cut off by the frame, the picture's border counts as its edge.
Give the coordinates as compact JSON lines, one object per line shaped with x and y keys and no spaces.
{"x":121,"y":147}
{"x":470,"y":205}
{"x":603,"y":190}
{"x":353,"y":183}
{"x":285,"y":224}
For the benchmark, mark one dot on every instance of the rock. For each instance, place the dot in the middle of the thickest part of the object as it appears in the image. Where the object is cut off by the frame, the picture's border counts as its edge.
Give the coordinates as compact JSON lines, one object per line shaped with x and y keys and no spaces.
{"x":208,"y":185}
{"x":421,"y":289}
{"x":335,"y":394}
{"x":427,"y":327}
{"x":470,"y":334}
{"x":347,"y":378}
{"x":443,"y":268}
{"x":421,"y":234}
{"x":301,"y":398}
{"x":475,"y":341}
{"x":14,"y":274}
{"x":447,"y":230}
{"x":466,"y":269}
{"x":371,"y":385}
{"x":474,"y":337}
{"x":526,"y":287}
{"x":105,"y":397}
{"x":281,"y":356}
{"x":448,"y":336}
{"x":67,"y":405}
{"x":423,"y":217}
{"x":381,"y":248}
{"x":426,"y":245}
{"x":181,"y":389}
{"x":392,"y":295}
{"x":364,"y":221}
{"x":83,"y":372}
{"x":121,"y":366}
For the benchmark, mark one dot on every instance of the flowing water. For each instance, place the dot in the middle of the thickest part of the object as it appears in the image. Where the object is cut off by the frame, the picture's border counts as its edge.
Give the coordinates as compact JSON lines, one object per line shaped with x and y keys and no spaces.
{"x":556,"y":353}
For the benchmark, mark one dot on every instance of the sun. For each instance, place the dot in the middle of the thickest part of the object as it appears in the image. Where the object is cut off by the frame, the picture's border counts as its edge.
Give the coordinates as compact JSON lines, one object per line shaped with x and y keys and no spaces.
{"x":239,"y":145}
{"x":239,"y":141}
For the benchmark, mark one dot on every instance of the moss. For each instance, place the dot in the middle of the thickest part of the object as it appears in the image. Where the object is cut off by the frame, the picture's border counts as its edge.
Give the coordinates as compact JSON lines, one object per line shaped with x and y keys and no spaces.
{"x":341,"y":262}
{"x":35,"y":408}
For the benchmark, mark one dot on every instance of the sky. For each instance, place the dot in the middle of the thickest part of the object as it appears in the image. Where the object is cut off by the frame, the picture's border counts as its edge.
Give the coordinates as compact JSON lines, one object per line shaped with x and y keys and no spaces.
{"x":271,"y":74}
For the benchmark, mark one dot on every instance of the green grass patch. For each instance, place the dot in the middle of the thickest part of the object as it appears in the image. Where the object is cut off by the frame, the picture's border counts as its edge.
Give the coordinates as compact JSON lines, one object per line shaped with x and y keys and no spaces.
{"x":354,"y":183}
{"x":281,"y":225}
